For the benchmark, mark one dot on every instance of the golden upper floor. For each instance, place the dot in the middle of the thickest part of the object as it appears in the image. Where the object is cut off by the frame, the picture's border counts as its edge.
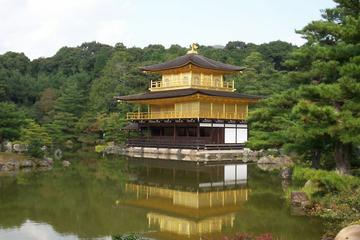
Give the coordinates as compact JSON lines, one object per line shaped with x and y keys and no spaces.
{"x":192,"y":79}
{"x":192,"y":71}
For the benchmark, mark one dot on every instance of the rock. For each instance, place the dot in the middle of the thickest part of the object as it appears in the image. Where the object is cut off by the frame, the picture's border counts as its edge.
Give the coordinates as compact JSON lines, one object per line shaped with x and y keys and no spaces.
{"x":268,"y":167}
{"x":69,"y":144}
{"x":349,"y":233}
{"x":298,"y":198}
{"x":311,"y":184}
{"x":305,"y":204}
{"x":270,"y":159}
{"x":299,"y":202}
{"x":43,"y":163}
{"x":7,"y":146}
{"x":65,"y":163}
{"x":4,"y":168}
{"x":58,"y":154}
{"x":13,"y":164}
{"x":282,"y":160}
{"x":49,"y":160}
{"x":19,"y":148}
{"x":114,"y":149}
{"x":286,"y":173}
{"x":26,"y":164}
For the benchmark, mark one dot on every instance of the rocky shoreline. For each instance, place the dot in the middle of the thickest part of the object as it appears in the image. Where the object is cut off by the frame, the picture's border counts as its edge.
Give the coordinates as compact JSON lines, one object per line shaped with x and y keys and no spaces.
{"x":15,"y":164}
{"x":14,"y":158}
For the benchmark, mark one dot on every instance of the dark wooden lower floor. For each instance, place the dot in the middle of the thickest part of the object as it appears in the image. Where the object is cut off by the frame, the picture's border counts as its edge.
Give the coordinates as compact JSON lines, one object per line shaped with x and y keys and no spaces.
{"x":182,"y":135}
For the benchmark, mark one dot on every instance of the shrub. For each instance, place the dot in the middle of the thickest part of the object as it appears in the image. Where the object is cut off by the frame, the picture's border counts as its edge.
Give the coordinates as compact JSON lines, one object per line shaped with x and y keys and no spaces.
{"x":34,"y":148}
{"x":126,"y":237}
{"x":340,"y":210}
{"x":330,"y":181}
{"x":100,"y":148}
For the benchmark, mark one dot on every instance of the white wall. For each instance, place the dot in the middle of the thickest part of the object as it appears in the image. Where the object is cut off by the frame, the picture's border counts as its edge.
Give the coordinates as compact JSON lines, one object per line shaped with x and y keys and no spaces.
{"x":230,"y":135}
{"x":241,"y":135}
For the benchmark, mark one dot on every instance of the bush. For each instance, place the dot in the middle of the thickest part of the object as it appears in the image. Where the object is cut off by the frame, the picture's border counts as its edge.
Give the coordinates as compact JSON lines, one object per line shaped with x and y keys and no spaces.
{"x":34,"y":148}
{"x":330,"y":181}
{"x":336,"y":198}
{"x":126,"y":237}
{"x":100,"y":148}
{"x":339,"y":210}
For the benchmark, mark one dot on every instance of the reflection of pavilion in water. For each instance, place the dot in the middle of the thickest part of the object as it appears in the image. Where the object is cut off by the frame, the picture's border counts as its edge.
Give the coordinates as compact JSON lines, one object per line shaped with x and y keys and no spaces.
{"x":188,"y":199}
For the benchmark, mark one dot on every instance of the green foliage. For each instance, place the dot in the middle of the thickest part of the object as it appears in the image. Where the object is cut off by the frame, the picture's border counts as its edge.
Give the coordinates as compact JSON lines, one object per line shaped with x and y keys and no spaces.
{"x":260,"y":77}
{"x":270,"y":121}
{"x":324,"y":73}
{"x":330,"y":181}
{"x":335,"y":198}
{"x":340,"y":210}
{"x":111,"y":126}
{"x":32,"y":131}
{"x":126,"y":237}
{"x":100,"y":148}
{"x":34,"y":148}
{"x":11,"y":121}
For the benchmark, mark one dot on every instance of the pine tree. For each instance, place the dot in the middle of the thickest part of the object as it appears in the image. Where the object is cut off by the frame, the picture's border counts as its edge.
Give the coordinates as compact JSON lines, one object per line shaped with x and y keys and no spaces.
{"x":11,"y":121}
{"x":68,"y":109}
{"x":326,"y":114}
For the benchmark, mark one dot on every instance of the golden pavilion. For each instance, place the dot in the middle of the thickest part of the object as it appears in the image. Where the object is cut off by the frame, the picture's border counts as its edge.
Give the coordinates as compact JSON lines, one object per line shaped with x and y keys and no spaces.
{"x":192,"y":106}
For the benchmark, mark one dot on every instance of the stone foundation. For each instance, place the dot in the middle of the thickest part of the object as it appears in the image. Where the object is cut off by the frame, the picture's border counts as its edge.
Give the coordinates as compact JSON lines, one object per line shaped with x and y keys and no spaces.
{"x":244,"y":155}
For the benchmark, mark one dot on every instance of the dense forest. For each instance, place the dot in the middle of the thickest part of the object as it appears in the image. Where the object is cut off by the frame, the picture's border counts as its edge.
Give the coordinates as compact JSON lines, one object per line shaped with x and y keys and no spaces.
{"x":311,"y":93}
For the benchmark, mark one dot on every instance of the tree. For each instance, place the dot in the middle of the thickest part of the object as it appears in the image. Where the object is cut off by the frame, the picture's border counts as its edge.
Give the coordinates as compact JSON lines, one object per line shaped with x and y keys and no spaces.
{"x":270,"y":121}
{"x":276,"y":52}
{"x":11,"y":121}
{"x":326,"y":113}
{"x":31,"y":130}
{"x":260,"y":77}
{"x":111,"y":127}
{"x":68,"y":108}
{"x":45,"y":105}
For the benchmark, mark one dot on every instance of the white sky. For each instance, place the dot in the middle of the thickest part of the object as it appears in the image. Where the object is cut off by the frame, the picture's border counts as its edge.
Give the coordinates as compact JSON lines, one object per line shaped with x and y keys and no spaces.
{"x":40,"y":27}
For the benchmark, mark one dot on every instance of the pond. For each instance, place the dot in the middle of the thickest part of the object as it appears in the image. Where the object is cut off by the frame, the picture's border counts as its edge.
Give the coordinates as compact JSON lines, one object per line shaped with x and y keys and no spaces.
{"x":99,"y":198}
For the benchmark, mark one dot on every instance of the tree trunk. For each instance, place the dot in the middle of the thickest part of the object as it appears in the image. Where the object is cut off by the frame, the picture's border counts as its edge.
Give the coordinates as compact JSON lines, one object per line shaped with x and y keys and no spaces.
{"x":315,"y":161}
{"x":342,"y":158}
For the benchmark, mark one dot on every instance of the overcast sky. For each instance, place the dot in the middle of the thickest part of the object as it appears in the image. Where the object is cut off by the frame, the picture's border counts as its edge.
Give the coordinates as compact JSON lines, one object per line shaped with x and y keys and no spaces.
{"x":40,"y":27}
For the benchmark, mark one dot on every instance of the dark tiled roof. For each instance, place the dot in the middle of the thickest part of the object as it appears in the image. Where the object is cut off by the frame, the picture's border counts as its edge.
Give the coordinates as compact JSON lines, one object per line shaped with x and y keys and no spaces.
{"x":183,"y":93}
{"x":194,"y":59}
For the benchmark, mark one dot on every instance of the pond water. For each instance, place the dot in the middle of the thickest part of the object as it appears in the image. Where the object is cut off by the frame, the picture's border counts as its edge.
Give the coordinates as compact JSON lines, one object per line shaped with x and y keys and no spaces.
{"x":99,"y":198}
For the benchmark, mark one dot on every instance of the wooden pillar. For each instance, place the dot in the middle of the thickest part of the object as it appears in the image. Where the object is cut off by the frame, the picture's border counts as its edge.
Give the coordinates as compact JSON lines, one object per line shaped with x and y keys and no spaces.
{"x":236,"y":115}
{"x":224,"y":110}
{"x":198,"y":132}
{"x":148,"y":131}
{"x":212,"y":133}
{"x":174,"y":137}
